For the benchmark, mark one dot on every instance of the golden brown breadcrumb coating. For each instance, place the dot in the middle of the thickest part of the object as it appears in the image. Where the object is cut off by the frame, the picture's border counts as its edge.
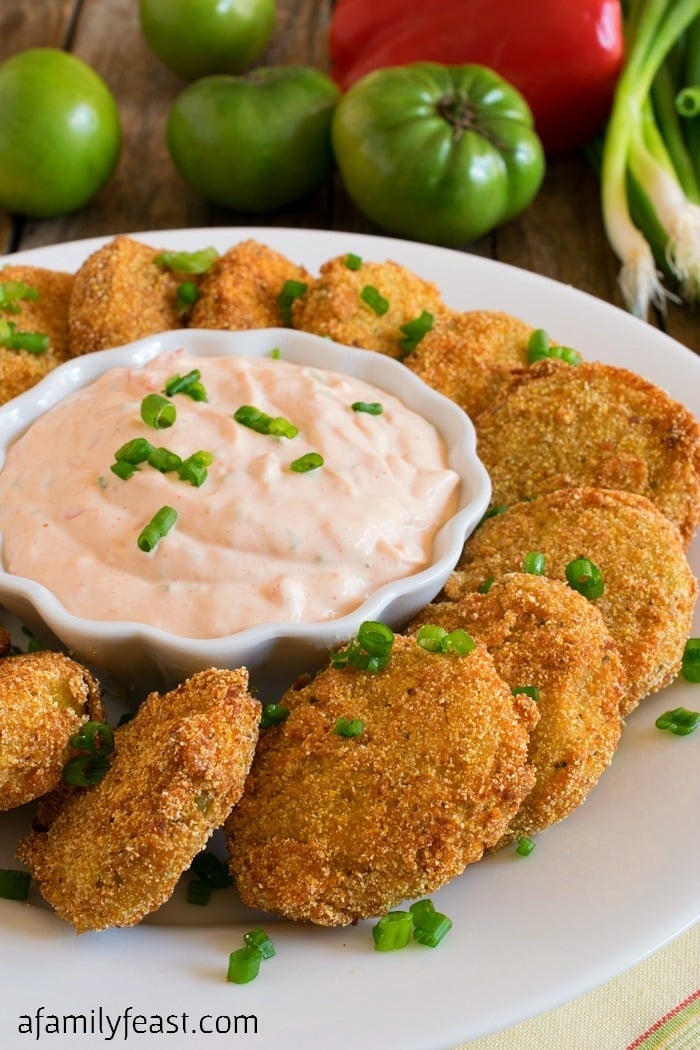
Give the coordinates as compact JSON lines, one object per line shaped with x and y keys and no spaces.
{"x":47,"y":315}
{"x":121,"y":294}
{"x":542,"y":633}
{"x":242,"y":288}
{"x":113,"y":853}
{"x":333,"y":305}
{"x":44,"y":699}
{"x":558,"y":426}
{"x":332,"y":829}
{"x":649,"y":592}
{"x":469,"y":356}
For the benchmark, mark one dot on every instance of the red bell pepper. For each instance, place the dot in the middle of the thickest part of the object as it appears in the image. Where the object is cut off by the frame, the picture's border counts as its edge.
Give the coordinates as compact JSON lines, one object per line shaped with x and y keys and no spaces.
{"x":563,"y":56}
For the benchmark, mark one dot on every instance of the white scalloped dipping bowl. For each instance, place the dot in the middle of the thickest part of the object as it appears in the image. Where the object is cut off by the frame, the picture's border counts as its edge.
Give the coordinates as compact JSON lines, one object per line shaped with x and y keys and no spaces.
{"x":139,"y":657}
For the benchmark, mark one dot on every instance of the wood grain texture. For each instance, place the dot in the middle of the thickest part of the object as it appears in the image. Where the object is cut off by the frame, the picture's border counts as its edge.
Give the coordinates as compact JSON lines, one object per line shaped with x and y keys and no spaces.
{"x":560,"y":235}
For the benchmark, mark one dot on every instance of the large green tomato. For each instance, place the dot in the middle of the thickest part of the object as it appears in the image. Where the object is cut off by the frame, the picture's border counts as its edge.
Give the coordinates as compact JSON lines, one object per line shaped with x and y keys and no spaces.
{"x":437,"y":153}
{"x":195,"y":38}
{"x":60,"y":134}
{"x":257,"y":142}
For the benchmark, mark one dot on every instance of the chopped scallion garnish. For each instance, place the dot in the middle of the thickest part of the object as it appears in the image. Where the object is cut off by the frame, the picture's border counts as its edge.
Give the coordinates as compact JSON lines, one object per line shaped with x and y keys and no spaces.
{"x":209,"y":869}
{"x":257,"y":938}
{"x":372,"y":408}
{"x":95,"y":737}
{"x":159,"y":526}
{"x":436,"y":639}
{"x":244,"y":965}
{"x":690,"y":666}
{"x":198,"y":892}
{"x":135,"y":451}
{"x":188,"y":262}
{"x":392,"y":931}
{"x":430,"y":928}
{"x":492,"y":512}
{"x":309,"y":461}
{"x":374,"y":299}
{"x":485,"y":587}
{"x":187,"y":295}
{"x":123,"y":469}
{"x":534,"y":563}
{"x":352,"y":261}
{"x":680,"y":721}
{"x":369,"y":651}
{"x":32,"y":342}
{"x":157,"y":411}
{"x":291,"y":290}
{"x":194,"y":468}
{"x":414,"y":331}
{"x":273,"y":715}
{"x":262,"y":423}
{"x":11,"y":291}
{"x":525,"y":846}
{"x":585,"y":577}
{"x":188,"y":384}
{"x":348,"y":727}
{"x":86,"y":770}
{"x":533,"y":691}
{"x":14,"y":884}
{"x":164,"y":460}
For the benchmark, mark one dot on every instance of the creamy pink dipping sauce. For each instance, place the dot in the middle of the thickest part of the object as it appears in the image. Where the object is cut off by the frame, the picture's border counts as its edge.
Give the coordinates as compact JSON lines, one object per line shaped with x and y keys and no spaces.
{"x":256,"y":542}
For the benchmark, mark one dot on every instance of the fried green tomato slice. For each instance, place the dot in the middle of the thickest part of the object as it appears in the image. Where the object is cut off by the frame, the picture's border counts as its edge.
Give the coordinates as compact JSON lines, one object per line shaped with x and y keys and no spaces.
{"x":649,"y":588}
{"x":559,"y":426}
{"x":544,"y":636}
{"x":45,"y":697}
{"x":365,"y":304}
{"x":335,"y":828}
{"x":113,"y":853}
{"x":242,"y":288}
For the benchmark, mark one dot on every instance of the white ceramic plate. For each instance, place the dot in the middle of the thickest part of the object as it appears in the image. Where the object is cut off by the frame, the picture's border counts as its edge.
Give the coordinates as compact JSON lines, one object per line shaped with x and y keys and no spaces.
{"x":605,"y":888}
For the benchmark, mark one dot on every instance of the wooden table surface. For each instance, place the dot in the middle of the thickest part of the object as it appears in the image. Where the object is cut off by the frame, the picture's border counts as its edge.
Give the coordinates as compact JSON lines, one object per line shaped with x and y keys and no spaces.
{"x":560,"y":234}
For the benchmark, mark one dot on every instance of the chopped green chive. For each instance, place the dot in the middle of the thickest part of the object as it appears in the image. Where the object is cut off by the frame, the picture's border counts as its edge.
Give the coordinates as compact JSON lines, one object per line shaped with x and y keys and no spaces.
{"x":188,"y":262}
{"x":244,"y":965}
{"x":393,"y":931}
{"x":491,"y":513}
{"x":275,"y":354}
{"x":164,"y":460}
{"x":680,"y":721}
{"x":259,"y":939}
{"x":95,"y":737}
{"x":123,"y":469}
{"x":525,"y":846}
{"x":436,"y":639}
{"x":157,"y":411}
{"x":210,"y":870}
{"x":309,"y":461}
{"x":261,"y":423}
{"x":11,"y":291}
{"x":690,"y":666}
{"x":539,"y":347}
{"x":194,"y":468}
{"x":32,"y":342}
{"x":273,"y":715}
{"x":485,"y":587}
{"x":533,"y":691}
{"x":369,"y":651}
{"x":291,"y":290}
{"x":159,"y":526}
{"x":349,"y":727}
{"x":352,"y":261}
{"x":374,"y":299}
{"x":585,"y":577}
{"x":430,"y":928}
{"x":186,"y":296}
{"x":534,"y":563}
{"x":198,"y":892}
{"x":85,"y":770}
{"x":14,"y":884}
{"x":188,"y":384}
{"x":421,"y":909}
{"x":134,"y":452}
{"x":415,"y":330}
{"x":372,"y":408}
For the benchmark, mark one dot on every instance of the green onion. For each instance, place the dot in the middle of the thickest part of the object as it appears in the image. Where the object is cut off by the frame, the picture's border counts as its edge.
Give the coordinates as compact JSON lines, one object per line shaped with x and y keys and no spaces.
{"x":123,"y":469}
{"x":34,"y":644}
{"x":525,"y":846}
{"x":186,"y":295}
{"x":95,"y":737}
{"x":14,"y":884}
{"x":209,"y":869}
{"x":533,"y":691}
{"x":194,"y":468}
{"x":372,"y":408}
{"x":687,"y":101}
{"x":690,"y":667}
{"x":436,"y":639}
{"x":164,"y":460}
{"x":291,"y":290}
{"x":32,"y":342}
{"x":188,"y":384}
{"x":273,"y":715}
{"x":275,"y":353}
{"x":430,"y":928}
{"x":539,"y":348}
{"x":86,"y":770}
{"x":244,"y":965}
{"x":421,"y":909}
{"x":353,"y":262}
{"x":415,"y":330}
{"x":393,"y":931}
{"x":157,"y":411}
{"x":491,"y":513}
{"x":374,"y":299}
{"x":485,"y":587}
{"x":159,"y":526}
{"x":188,"y":262}
{"x":198,"y":892}
{"x":309,"y":461}
{"x":585,"y":577}
{"x":11,"y":291}
{"x":135,"y":451}
{"x":349,"y":727}
{"x":261,"y":423}
{"x":259,"y":940}
{"x":534,"y":563}
{"x":680,"y":721}
{"x":369,"y":651}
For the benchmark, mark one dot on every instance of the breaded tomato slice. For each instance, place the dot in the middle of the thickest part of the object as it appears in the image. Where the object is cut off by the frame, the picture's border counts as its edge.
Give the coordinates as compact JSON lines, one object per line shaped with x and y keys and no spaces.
{"x":365,"y":304}
{"x":544,"y":635}
{"x":114,"y":852}
{"x":335,"y":828}
{"x":242,"y":289}
{"x":564,"y":426}
{"x":649,"y":588}
{"x":45,"y":697}
{"x":47,"y":314}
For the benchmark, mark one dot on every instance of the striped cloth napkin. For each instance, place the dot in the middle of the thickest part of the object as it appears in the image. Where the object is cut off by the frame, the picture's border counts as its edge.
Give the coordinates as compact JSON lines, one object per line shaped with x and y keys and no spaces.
{"x":653,"y":1006}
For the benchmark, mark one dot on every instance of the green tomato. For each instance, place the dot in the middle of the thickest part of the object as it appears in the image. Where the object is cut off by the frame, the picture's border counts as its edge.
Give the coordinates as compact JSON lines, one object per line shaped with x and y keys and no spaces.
{"x":437,"y":153}
{"x":195,"y":38}
{"x":60,"y":134}
{"x":257,"y":142}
